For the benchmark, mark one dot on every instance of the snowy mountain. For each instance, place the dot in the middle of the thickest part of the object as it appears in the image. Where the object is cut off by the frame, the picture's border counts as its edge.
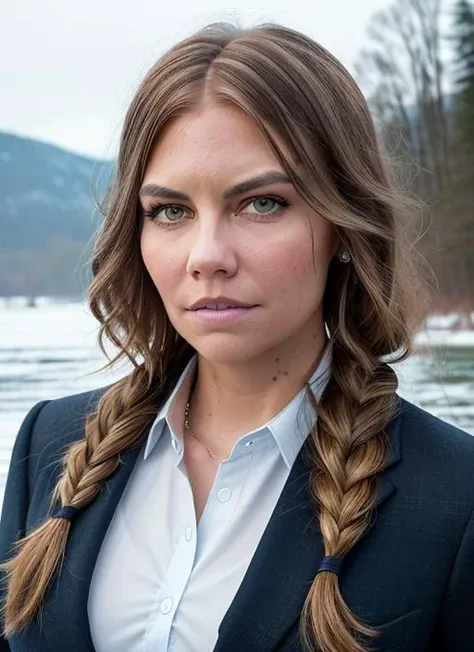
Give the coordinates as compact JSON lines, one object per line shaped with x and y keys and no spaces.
{"x":45,"y":192}
{"x":47,"y":214}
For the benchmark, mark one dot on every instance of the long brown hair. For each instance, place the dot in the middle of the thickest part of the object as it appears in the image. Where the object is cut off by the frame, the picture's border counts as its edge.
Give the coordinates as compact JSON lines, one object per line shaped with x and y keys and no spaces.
{"x":298,"y":94}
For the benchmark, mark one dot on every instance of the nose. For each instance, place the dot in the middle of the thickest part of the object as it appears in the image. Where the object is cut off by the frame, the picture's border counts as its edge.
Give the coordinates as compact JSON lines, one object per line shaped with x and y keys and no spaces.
{"x":211,"y":250}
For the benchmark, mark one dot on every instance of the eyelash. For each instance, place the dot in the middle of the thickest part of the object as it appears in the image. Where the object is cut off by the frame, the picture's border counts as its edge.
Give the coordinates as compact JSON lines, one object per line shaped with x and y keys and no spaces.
{"x":152,"y":212}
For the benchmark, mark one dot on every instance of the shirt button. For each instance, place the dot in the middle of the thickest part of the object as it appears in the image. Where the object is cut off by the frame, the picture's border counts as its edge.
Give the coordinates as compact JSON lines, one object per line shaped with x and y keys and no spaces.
{"x":188,"y":533}
{"x":224,"y":494}
{"x":166,"y":605}
{"x":249,"y":443}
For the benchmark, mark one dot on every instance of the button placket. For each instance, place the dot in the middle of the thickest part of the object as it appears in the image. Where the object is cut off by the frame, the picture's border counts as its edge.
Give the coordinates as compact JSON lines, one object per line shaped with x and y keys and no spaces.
{"x":174,"y":584}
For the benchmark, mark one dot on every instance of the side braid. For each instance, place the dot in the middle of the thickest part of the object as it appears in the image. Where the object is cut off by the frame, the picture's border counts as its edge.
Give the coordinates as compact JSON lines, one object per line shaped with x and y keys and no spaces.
{"x":348,"y":448}
{"x":122,"y":415}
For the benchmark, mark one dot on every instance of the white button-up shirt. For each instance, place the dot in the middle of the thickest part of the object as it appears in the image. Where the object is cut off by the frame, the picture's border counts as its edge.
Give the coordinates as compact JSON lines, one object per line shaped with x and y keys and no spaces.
{"x":162,"y":582}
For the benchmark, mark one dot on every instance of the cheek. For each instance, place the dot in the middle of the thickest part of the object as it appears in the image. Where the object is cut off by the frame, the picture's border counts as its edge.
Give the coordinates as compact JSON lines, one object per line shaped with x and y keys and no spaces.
{"x":159,"y":261}
{"x":291,"y":264}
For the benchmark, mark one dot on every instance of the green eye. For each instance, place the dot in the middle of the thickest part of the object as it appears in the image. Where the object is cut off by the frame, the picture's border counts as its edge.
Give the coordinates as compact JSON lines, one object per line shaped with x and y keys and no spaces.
{"x":165,"y":214}
{"x":266,"y":207}
{"x":264,"y":204}
{"x":173,"y":212}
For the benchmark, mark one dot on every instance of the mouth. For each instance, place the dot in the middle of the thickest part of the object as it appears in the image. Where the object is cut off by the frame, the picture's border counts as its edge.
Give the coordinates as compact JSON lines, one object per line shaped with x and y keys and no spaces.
{"x":220,"y":316}
{"x":221,"y":308}
{"x":219,"y":303}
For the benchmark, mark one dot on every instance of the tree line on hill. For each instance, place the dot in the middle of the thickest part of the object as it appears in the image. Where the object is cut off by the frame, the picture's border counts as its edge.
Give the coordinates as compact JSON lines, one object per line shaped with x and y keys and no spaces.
{"x":417,"y":70}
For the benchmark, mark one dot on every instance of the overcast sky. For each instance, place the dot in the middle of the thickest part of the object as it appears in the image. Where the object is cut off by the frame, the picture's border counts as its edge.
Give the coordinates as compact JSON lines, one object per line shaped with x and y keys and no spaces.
{"x":68,"y":68}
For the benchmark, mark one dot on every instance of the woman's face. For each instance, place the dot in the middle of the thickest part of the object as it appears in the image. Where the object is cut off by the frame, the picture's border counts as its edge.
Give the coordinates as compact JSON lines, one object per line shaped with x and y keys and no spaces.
{"x":204,"y":236}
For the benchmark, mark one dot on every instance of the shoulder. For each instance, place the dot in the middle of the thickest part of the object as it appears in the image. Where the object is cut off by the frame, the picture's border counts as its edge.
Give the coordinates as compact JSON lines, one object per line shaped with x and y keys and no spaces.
{"x":50,"y":427}
{"x":421,"y":429}
{"x":66,"y":412}
{"x":437,"y":457}
{"x":47,"y":431}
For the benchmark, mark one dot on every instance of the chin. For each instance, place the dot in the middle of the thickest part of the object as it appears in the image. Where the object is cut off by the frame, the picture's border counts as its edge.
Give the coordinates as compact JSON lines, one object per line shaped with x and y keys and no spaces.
{"x":228,"y":348}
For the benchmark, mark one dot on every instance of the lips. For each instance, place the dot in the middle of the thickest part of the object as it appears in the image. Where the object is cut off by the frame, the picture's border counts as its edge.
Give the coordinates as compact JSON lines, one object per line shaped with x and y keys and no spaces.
{"x":219,"y":303}
{"x":220,"y":318}
{"x":219,"y":306}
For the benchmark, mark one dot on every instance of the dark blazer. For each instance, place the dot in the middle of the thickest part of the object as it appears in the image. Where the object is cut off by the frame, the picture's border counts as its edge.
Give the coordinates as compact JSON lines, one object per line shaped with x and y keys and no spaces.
{"x":411,"y":575}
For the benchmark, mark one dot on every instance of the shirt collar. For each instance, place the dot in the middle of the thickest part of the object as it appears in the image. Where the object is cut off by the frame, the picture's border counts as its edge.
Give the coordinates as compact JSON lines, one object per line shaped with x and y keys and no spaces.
{"x":290,"y":427}
{"x":173,"y":406}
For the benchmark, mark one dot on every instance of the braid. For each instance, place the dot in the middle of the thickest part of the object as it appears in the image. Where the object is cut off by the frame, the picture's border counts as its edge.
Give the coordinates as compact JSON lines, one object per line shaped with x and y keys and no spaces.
{"x":348,"y":448}
{"x":122,"y":415}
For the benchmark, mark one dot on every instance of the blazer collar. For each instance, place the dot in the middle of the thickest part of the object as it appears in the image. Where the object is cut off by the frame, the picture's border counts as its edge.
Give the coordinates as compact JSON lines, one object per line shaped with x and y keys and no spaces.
{"x":271,"y":595}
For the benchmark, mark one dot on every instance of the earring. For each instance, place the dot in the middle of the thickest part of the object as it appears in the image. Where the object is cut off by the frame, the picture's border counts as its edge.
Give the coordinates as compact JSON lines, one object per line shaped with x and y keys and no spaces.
{"x":345,"y":257}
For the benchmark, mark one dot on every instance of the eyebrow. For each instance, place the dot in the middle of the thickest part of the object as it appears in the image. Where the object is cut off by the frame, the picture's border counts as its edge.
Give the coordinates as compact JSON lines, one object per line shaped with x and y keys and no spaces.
{"x":265,"y":179}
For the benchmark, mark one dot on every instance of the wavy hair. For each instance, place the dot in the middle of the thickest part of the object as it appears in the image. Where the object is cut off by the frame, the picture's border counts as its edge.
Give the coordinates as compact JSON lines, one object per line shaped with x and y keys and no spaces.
{"x":299,"y":95}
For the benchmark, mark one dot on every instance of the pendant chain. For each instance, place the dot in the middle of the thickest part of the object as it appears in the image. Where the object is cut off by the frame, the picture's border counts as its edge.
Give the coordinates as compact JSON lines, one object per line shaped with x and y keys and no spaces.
{"x":187,"y":427}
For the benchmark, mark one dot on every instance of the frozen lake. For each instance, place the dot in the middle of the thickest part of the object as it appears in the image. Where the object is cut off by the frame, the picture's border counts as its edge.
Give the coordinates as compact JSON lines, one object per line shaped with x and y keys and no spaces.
{"x":51,"y":351}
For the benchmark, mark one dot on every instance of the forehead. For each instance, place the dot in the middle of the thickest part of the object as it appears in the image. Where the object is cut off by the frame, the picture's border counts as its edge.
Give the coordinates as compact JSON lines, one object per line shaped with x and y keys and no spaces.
{"x":215,"y":143}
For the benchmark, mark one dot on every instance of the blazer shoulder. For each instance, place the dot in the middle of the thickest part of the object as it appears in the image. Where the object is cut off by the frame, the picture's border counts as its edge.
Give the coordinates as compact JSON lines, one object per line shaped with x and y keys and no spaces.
{"x":36,"y":461}
{"x":58,"y":424}
{"x":425,"y":427}
{"x":442,"y":452}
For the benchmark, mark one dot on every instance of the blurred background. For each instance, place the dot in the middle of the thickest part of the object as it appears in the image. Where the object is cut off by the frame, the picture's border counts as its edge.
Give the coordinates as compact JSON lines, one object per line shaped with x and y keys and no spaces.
{"x":67,"y":74}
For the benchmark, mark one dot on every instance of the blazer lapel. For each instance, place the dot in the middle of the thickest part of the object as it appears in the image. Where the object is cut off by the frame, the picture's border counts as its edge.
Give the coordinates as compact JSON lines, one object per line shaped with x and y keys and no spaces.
{"x":272,"y":593}
{"x":64,"y":620}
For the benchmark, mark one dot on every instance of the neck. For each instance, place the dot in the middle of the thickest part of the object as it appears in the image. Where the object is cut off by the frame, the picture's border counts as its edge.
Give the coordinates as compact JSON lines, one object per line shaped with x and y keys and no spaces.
{"x":230,"y":400}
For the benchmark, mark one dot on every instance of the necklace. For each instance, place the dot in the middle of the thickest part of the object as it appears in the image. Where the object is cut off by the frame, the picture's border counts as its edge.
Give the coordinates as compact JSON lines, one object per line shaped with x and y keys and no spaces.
{"x":187,"y":427}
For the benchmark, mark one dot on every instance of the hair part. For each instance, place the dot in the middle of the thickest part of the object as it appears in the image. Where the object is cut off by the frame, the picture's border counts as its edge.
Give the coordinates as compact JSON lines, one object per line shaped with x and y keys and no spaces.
{"x":320,"y":129}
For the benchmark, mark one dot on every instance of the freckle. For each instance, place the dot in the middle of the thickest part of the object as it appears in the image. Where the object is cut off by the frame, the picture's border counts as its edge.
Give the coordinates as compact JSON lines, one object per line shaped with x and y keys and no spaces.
{"x":286,"y":373}
{"x":274,"y":377}
{"x":277,"y":359}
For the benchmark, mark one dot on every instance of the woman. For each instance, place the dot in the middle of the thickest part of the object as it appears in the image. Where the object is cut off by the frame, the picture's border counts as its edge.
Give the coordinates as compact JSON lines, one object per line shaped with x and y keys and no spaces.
{"x":255,"y":483}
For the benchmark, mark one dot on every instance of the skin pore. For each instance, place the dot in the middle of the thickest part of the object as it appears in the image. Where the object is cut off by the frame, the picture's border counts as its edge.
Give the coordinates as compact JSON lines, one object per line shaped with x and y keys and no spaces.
{"x":246,"y":246}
